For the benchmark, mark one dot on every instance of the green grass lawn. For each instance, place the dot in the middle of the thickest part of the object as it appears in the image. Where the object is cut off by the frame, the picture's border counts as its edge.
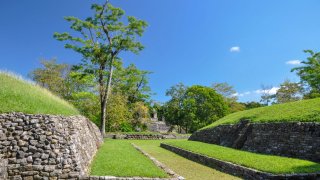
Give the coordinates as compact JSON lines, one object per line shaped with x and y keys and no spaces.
{"x":266,"y":163}
{"x":182,"y":166}
{"x":302,"y":111}
{"x":17,"y":95}
{"x":120,"y":158}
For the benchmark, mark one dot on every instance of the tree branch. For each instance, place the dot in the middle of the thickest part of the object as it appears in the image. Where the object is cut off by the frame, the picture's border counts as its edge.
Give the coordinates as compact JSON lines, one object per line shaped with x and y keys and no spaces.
{"x":104,"y":27}
{"x":91,"y":36}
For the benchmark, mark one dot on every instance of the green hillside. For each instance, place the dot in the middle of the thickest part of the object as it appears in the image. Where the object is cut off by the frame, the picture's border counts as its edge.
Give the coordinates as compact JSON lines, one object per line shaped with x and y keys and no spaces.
{"x":17,"y":95}
{"x":299,"y":111}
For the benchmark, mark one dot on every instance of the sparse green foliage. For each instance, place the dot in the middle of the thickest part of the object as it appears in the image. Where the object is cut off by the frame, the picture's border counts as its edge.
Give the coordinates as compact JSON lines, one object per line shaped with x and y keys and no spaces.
{"x":100,"y":39}
{"x":229,"y":95}
{"x":288,"y":92}
{"x":225,"y":90}
{"x":267,"y":97}
{"x":309,"y":74}
{"x":51,"y":76}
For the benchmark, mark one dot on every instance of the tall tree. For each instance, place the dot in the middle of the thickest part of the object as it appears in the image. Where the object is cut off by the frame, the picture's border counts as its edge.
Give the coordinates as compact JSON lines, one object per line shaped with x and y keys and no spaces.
{"x":226,"y":90}
{"x":309,"y":73}
{"x":100,"y":39}
{"x":173,"y":113}
{"x":288,"y":92}
{"x":229,"y":95}
{"x":267,"y":97}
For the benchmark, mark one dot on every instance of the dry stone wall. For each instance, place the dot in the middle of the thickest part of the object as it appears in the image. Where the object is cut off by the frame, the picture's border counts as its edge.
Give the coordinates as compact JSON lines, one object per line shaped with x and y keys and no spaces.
{"x":147,"y":136}
{"x":158,"y":126}
{"x":47,"y":146}
{"x":237,"y":170}
{"x":295,"y":139}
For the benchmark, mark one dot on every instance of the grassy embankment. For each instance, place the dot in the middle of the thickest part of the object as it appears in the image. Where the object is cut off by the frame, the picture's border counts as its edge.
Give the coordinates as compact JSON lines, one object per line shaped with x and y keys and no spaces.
{"x":265,"y":163}
{"x":18,"y":95}
{"x":299,"y":111}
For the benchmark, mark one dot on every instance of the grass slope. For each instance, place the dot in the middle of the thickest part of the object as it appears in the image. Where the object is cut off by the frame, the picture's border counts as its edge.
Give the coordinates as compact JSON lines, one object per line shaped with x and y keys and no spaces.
{"x":302,"y":111}
{"x":17,"y":95}
{"x":266,"y":163}
{"x":120,"y":158}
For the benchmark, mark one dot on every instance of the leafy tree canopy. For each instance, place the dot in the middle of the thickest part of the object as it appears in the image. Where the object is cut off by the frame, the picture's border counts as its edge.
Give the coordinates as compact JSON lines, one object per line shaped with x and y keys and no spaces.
{"x":309,"y":73}
{"x":100,"y":39}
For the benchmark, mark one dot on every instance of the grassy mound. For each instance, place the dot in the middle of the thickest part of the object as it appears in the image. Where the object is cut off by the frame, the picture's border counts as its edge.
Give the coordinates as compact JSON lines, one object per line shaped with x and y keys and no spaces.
{"x":265,"y":163}
{"x":18,"y":95}
{"x":299,"y":111}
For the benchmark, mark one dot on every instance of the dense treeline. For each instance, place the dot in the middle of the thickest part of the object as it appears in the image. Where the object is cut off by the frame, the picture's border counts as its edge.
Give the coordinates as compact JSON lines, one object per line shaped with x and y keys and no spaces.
{"x":128,"y":108}
{"x":130,"y":104}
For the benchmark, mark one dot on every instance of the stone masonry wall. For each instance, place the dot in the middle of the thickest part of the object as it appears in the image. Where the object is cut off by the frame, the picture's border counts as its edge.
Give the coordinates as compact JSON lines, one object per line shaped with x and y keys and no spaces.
{"x":237,"y":170}
{"x":158,"y":126}
{"x":296,"y":139}
{"x":47,"y":146}
{"x":146,"y":136}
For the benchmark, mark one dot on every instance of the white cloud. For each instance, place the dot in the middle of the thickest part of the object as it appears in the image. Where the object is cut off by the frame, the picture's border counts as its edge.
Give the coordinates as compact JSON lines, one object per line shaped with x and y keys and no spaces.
{"x":235,"y":94}
{"x":293,"y":62}
{"x":241,"y":94}
{"x":271,"y":91}
{"x":235,"y":49}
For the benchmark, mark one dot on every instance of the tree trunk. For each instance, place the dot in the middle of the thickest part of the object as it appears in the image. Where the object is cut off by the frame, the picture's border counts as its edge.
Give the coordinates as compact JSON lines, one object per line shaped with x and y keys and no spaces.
{"x":105,"y":99}
{"x":103,"y":116}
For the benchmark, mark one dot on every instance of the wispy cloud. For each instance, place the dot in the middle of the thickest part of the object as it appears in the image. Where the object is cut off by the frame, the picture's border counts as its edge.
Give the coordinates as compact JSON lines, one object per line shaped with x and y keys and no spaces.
{"x":271,"y":91}
{"x":241,"y":94}
{"x":235,"y":49}
{"x":293,"y":62}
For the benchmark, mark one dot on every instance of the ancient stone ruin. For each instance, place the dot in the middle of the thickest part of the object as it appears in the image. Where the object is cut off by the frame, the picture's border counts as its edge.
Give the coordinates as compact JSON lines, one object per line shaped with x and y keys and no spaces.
{"x":46,"y":146}
{"x":156,"y":125}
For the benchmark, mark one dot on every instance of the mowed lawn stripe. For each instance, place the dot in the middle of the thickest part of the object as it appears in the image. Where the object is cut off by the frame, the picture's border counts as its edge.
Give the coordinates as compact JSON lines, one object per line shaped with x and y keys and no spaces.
{"x":119,"y":158}
{"x":265,"y":163}
{"x":182,"y":166}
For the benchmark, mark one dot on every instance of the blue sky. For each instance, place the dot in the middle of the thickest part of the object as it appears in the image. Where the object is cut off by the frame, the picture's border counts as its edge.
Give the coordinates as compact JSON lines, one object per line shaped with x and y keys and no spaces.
{"x":245,"y":43}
